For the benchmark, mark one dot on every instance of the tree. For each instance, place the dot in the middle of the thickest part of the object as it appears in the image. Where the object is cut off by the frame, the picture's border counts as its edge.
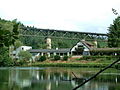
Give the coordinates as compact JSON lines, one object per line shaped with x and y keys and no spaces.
{"x":17,"y":44}
{"x":25,"y":55}
{"x":8,"y":33}
{"x":114,"y":33}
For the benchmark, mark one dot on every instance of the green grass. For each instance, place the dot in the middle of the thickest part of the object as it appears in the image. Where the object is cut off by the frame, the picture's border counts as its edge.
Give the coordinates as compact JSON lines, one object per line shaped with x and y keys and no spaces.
{"x":87,"y":61}
{"x":74,"y":64}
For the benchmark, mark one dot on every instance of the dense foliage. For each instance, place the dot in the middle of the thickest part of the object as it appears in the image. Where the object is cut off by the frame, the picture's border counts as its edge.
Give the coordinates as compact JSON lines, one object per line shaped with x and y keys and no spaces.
{"x":17,"y":44}
{"x":114,"y":33}
{"x":25,"y":55}
{"x":56,"y":57}
{"x":8,"y":35}
{"x":40,"y":43}
{"x":8,"y":32}
{"x":42,"y":58}
{"x":5,"y":60}
{"x":65,"y":58}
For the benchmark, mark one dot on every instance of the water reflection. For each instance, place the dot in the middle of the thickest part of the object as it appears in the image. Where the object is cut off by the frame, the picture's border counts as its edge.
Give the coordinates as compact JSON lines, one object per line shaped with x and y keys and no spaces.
{"x":56,"y":79}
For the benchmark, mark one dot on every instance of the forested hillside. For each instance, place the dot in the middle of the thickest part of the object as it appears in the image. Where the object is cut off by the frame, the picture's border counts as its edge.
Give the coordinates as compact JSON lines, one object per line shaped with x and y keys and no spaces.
{"x":38,"y":42}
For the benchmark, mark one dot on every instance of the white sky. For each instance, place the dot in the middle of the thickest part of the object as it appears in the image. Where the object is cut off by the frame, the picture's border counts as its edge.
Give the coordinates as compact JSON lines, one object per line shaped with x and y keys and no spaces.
{"x":72,"y":15}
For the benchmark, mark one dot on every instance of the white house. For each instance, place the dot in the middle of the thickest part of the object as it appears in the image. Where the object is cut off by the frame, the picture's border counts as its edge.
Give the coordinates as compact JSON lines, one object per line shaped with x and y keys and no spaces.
{"x":21,"y":48}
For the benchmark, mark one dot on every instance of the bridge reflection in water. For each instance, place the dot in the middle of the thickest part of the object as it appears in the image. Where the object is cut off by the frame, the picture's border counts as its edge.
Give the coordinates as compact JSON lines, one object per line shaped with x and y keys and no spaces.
{"x":56,"y":79}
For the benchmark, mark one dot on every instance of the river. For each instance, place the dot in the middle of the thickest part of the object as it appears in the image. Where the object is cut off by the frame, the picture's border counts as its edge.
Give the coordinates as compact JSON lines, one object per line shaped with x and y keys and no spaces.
{"x":57,"y":78}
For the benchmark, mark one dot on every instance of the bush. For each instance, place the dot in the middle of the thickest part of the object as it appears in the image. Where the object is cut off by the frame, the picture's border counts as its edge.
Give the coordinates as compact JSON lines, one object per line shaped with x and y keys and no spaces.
{"x":25,"y":55}
{"x":42,"y":58}
{"x":65,"y":58}
{"x":22,"y":62}
{"x":56,"y":57}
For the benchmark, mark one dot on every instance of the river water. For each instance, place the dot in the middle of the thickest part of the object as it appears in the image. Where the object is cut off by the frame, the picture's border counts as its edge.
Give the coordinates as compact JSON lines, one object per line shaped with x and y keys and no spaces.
{"x":56,"y":78}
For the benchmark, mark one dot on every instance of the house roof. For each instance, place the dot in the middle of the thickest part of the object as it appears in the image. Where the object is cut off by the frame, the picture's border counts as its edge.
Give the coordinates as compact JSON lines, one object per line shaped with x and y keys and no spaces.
{"x":87,"y":44}
{"x":50,"y":50}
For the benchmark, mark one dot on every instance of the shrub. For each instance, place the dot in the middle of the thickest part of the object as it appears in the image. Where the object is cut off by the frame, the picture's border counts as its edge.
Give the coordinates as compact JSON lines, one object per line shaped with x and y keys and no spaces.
{"x":56,"y":57}
{"x":25,"y":55}
{"x":22,"y":62}
{"x":16,"y":63}
{"x":65,"y":58}
{"x":42,"y":58}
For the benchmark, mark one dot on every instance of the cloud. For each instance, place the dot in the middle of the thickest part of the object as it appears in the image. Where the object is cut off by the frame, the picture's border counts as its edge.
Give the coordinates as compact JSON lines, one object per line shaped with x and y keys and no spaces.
{"x":76,"y":15}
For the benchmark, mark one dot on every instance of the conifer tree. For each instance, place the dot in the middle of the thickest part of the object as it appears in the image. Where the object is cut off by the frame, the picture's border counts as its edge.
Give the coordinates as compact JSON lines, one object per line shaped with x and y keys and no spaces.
{"x":114,"y":33}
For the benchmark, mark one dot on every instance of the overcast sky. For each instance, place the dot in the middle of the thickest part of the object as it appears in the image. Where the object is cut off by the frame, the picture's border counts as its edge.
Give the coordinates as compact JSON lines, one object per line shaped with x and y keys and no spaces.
{"x":72,"y":15}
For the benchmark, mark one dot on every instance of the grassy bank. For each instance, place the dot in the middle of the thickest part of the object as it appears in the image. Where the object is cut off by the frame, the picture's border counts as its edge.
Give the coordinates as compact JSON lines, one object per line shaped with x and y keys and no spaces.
{"x":71,"y":64}
{"x":86,"y":61}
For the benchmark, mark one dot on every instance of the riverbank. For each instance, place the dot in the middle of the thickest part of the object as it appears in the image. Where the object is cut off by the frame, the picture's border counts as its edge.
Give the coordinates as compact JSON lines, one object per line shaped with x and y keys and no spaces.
{"x":83,"y":63}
